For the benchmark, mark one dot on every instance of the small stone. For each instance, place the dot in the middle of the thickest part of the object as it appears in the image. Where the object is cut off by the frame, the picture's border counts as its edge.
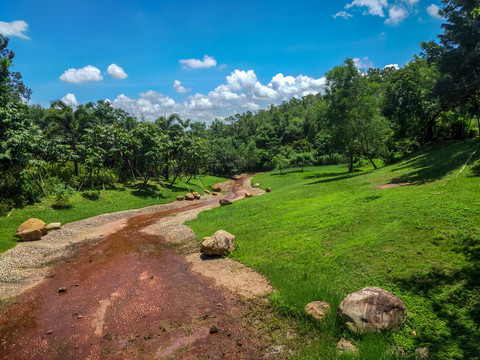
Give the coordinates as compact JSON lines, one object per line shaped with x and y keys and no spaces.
{"x":213,"y":330}
{"x":256,"y":185}
{"x":80,"y":317}
{"x":189,"y":197}
{"x":318,"y":309}
{"x":77,"y":284}
{"x":151,"y":277}
{"x":268,"y":189}
{"x":196,"y":195}
{"x":219,"y":304}
{"x":248,"y":194}
{"x":346,"y":346}
{"x":108,"y":336}
{"x":180,"y":198}
{"x":214,"y":194}
{"x":216,"y":188}
{"x":62,"y":290}
{"x":76,"y":346}
{"x":53,"y":226}
{"x":49,"y":332}
{"x":225,"y":202}
{"x":206,"y":192}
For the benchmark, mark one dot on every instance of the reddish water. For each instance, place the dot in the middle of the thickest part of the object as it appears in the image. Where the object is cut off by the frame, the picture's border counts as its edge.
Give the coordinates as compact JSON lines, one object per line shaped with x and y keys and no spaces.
{"x":128,"y":296}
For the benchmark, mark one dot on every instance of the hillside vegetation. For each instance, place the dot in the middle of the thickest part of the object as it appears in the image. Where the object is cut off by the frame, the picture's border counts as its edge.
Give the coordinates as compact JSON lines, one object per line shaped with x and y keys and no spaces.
{"x":323,"y":233}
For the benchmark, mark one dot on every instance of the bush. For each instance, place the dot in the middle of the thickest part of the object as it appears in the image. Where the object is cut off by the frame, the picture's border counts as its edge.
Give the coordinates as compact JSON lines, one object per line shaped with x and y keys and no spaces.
{"x":62,"y":194}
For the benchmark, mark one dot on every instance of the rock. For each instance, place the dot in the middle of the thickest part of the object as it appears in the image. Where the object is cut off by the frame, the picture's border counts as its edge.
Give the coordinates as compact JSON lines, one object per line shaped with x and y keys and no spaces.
{"x":256,"y":185}
{"x":217,"y":188}
{"x":219,"y":243}
{"x":50,"y":331}
{"x":268,"y":189}
{"x":53,"y":226}
{"x":62,"y":290}
{"x":206,"y":192}
{"x":318,"y":309}
{"x":346,"y":346}
{"x":180,"y":198}
{"x":247,"y":194}
{"x":421,"y":353}
{"x":29,"y":235}
{"x":32,"y":229}
{"x":189,"y":196}
{"x":196,"y":195}
{"x":372,"y":309}
{"x":214,"y":194}
{"x":225,"y":202}
{"x":213,"y":330}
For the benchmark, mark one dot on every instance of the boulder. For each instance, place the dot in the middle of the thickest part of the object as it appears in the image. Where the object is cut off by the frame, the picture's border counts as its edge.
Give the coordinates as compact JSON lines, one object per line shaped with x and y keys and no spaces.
{"x":225,"y":202}
{"x":196,"y":195}
{"x":189,"y":196}
{"x":214,"y":194}
{"x":248,"y":194}
{"x":180,"y":198}
{"x":32,"y":229}
{"x":256,"y":185}
{"x":206,"y":192}
{"x":372,"y":309}
{"x":268,"y":189}
{"x":344,"y":346}
{"x":220,"y":243}
{"x":216,"y":188}
{"x":318,"y":309}
{"x":53,"y":226}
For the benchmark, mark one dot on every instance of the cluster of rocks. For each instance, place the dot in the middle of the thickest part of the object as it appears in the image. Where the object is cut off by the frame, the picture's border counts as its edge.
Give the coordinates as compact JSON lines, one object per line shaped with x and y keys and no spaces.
{"x":34,"y":229}
{"x":371,"y":309}
{"x":195,"y":195}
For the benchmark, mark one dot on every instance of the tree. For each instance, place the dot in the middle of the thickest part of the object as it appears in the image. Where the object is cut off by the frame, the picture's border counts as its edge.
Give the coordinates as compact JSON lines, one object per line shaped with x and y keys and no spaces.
{"x":458,"y":55}
{"x":354,"y":115}
{"x":280,"y":162}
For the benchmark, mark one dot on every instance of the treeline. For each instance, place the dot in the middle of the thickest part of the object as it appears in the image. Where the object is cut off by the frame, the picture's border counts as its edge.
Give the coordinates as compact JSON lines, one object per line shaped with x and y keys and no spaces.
{"x":376,"y":115}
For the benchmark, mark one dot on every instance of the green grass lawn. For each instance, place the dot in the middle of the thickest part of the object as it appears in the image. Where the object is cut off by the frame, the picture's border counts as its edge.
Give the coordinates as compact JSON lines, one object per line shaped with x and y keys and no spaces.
{"x":323,"y":233}
{"x":84,"y":205}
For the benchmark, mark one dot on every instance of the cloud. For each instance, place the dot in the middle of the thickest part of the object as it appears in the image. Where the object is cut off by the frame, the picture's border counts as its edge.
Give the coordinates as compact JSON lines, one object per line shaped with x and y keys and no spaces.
{"x":177,"y":86}
{"x":363,"y":63}
{"x":396,"y":15}
{"x":375,"y":7}
{"x":70,"y":100}
{"x":14,"y":28}
{"x":241,"y":91}
{"x":116,"y":72}
{"x":342,"y":14}
{"x":395,"y":66}
{"x":88,"y":73}
{"x":411,"y":2}
{"x":432,"y":10}
{"x":207,"y":62}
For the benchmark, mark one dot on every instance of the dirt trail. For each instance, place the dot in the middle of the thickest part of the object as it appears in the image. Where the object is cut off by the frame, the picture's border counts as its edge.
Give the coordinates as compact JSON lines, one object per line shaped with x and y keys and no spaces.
{"x":130,"y":296}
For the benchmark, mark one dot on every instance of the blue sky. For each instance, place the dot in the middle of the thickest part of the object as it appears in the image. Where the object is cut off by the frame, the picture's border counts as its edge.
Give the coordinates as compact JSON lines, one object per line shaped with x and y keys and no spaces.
{"x":204,"y":59}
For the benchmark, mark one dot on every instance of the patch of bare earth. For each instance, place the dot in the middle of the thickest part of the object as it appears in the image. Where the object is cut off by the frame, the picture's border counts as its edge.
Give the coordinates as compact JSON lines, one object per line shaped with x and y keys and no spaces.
{"x":131,"y":295}
{"x":393,"y":185}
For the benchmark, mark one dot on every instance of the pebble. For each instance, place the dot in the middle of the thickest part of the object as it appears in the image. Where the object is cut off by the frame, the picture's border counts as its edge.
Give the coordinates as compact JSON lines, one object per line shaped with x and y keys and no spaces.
{"x":62,"y":289}
{"x":213,"y":330}
{"x":49,"y":332}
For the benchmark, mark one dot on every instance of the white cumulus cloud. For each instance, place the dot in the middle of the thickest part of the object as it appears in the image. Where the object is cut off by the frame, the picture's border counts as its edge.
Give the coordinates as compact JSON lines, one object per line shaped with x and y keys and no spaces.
{"x":207,"y":62}
{"x":375,"y":7}
{"x":241,"y":91}
{"x":14,"y":28}
{"x":363,"y":63}
{"x":342,"y":14}
{"x":88,"y":73}
{"x":395,"y":66}
{"x":396,"y":15}
{"x":177,"y":86}
{"x":116,"y":72}
{"x":70,"y":100}
{"x":432,"y":10}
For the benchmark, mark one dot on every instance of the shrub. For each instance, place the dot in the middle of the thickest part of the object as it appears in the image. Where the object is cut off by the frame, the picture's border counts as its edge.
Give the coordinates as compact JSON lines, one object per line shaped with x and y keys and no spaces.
{"x":62,"y":194}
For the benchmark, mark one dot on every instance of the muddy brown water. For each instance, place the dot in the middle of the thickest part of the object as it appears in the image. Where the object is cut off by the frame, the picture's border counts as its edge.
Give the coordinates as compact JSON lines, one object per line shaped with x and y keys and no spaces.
{"x":128,"y":296}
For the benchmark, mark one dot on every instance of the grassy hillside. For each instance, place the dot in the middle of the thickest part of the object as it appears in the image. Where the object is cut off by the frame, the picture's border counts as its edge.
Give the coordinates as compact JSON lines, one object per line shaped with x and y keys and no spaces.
{"x":91,"y":203}
{"x":324,"y":233}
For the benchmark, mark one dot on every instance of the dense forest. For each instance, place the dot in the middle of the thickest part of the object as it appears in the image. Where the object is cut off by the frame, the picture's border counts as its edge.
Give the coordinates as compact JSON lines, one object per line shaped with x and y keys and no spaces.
{"x":375,"y":116}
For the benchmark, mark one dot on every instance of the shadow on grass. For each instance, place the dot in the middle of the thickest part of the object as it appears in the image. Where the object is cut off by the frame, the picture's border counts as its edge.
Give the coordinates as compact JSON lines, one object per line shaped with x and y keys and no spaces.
{"x":431,"y":165}
{"x":342,"y":176}
{"x":455,"y":299}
